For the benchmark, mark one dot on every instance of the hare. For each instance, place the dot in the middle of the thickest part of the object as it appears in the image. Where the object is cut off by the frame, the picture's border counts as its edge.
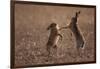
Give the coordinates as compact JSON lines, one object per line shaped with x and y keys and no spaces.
{"x":75,"y":30}
{"x":53,"y":37}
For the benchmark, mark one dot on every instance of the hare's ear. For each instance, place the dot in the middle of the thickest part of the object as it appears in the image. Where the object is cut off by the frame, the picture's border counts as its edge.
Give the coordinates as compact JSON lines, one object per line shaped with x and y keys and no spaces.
{"x":79,"y":12}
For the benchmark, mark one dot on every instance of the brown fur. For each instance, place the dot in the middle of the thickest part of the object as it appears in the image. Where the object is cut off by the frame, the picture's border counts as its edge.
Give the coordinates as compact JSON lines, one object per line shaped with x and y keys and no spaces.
{"x":75,"y":30}
{"x":53,"y":37}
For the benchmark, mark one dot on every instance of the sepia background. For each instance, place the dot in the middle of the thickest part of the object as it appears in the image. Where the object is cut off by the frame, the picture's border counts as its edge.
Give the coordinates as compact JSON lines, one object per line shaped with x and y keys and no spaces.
{"x":31,"y":36}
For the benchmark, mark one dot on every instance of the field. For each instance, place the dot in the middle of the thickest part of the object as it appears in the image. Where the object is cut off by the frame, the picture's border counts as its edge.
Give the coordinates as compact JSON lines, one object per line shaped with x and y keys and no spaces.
{"x":31,"y":36}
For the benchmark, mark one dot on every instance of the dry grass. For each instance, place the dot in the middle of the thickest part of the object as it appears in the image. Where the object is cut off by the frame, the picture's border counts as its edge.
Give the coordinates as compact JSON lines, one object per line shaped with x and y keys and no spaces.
{"x":31,"y":35}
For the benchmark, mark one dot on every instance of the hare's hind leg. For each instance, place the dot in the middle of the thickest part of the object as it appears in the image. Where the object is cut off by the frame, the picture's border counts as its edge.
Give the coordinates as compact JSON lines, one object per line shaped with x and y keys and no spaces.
{"x":81,"y":47}
{"x":48,"y":50}
{"x":55,"y":50}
